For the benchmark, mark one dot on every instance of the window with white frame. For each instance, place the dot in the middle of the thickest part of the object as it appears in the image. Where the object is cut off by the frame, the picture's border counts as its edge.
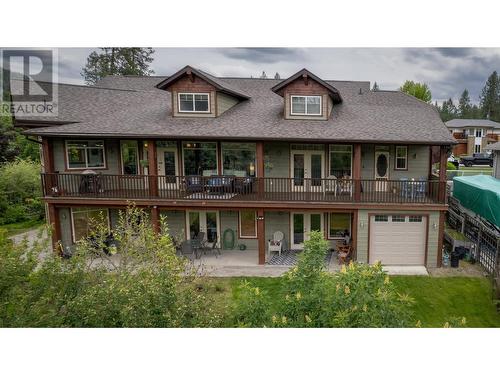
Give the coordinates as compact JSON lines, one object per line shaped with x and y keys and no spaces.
{"x":85,"y":220}
{"x":248,"y":224}
{"x":189,"y":102}
{"x":401,"y":157}
{"x":85,"y":154}
{"x":303,"y":105}
{"x":477,"y":149}
{"x":479,"y":132}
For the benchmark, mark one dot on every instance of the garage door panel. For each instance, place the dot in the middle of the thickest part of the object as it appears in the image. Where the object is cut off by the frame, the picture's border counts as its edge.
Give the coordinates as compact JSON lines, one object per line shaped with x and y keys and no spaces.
{"x":397,"y":243}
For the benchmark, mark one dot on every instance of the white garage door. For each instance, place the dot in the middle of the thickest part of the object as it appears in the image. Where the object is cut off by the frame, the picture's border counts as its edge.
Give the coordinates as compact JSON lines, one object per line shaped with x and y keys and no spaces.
{"x":398,"y":239}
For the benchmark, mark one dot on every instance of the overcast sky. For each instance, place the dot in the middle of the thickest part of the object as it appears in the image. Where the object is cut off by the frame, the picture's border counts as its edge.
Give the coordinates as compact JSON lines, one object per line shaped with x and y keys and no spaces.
{"x":447,"y":71}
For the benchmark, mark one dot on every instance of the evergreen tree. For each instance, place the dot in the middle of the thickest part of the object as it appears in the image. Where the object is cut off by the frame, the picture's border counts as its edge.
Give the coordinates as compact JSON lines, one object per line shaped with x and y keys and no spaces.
{"x":448,"y":110}
{"x":464,"y":105}
{"x":115,"y":60}
{"x":375,"y":87}
{"x":489,"y":100}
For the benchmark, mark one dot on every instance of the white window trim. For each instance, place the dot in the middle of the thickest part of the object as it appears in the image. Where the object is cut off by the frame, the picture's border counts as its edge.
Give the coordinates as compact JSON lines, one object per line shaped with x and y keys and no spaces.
{"x":330,"y":159}
{"x":216,"y":155}
{"x":122,"y":143}
{"x":305,"y":104}
{"x":239,"y":224}
{"x":194,"y":109}
{"x":328,"y":226}
{"x":87,"y":210}
{"x":86,"y":156}
{"x":405,"y":158}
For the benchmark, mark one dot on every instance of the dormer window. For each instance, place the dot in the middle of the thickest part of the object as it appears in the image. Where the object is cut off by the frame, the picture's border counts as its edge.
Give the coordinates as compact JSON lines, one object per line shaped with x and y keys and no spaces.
{"x":190,"y":102}
{"x":306,"y":105}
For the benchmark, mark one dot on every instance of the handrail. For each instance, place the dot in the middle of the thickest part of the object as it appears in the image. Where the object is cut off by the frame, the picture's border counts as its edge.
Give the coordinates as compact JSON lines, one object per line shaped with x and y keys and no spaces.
{"x":240,"y":188}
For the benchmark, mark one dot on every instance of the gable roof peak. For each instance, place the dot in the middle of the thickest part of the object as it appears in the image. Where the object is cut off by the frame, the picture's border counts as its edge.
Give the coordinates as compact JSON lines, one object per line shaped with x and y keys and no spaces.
{"x":306,"y":75}
{"x":219,"y":84}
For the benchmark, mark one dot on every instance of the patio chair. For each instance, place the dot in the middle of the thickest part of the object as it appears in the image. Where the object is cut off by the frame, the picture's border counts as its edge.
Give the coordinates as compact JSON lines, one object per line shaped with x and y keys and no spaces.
{"x":189,"y":251}
{"x":194,"y":184}
{"x":276,"y":244}
{"x":421,"y":187}
{"x":345,"y":254}
{"x":215,"y":248}
{"x":405,"y":187}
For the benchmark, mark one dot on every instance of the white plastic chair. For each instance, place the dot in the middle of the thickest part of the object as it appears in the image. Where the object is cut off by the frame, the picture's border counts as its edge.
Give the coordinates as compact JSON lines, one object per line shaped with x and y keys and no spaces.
{"x":276,"y":244}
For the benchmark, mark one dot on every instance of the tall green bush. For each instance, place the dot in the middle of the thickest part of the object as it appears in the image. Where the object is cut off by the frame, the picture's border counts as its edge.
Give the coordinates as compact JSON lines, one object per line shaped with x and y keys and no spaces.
{"x":357,"y":296}
{"x":145,"y":284}
{"x":20,"y":192}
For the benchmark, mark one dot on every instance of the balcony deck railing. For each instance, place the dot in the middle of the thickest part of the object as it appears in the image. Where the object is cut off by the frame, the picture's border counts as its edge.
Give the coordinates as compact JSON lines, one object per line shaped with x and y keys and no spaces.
{"x":252,"y":189}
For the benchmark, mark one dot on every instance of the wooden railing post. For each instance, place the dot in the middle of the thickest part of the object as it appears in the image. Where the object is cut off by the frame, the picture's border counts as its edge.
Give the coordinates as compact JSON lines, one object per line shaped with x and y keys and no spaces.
{"x":356,"y":171}
{"x":152,"y":168}
{"x":155,"y":219}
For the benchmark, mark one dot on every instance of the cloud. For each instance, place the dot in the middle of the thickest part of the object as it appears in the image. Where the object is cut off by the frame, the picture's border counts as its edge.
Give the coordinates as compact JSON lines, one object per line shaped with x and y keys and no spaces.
{"x":262,"y":55}
{"x":447,"y":71}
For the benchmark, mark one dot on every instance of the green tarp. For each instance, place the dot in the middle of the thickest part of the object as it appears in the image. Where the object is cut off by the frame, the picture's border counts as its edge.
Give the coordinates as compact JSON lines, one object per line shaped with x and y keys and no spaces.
{"x":480,"y":194}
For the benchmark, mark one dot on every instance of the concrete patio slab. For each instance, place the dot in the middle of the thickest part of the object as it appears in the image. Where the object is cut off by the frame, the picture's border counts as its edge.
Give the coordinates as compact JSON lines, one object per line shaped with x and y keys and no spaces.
{"x":406,"y":270}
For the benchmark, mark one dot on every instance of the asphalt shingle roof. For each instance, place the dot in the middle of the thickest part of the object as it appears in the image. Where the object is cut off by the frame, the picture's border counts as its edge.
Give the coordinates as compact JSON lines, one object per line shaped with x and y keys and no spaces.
{"x":461,"y":123}
{"x":111,"y":109}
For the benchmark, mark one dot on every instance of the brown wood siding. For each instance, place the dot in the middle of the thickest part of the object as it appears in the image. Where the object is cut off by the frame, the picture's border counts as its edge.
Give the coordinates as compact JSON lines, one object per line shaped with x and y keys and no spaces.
{"x":298,"y":87}
{"x":197,"y":85}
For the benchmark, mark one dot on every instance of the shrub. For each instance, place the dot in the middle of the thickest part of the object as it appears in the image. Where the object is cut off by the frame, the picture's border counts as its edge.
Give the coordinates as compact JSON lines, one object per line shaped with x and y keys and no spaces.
{"x":20,"y":192}
{"x":144,"y":285}
{"x":357,"y":296}
{"x":450,"y":166}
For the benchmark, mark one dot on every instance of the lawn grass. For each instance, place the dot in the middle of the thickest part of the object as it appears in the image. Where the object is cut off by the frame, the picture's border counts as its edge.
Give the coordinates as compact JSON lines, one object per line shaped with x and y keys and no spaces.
{"x":24,"y":226}
{"x":437,"y":299}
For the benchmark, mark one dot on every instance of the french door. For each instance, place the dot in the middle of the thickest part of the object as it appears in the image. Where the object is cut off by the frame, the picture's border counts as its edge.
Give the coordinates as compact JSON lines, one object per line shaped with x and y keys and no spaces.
{"x":381,"y":170}
{"x":307,"y":170}
{"x":302,"y":223}
{"x":203,"y":221}
{"x":167,"y":167}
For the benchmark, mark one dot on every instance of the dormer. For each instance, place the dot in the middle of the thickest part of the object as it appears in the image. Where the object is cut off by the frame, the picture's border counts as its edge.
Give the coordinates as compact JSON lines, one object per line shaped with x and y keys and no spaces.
{"x":307,"y":97}
{"x":195,"y":93}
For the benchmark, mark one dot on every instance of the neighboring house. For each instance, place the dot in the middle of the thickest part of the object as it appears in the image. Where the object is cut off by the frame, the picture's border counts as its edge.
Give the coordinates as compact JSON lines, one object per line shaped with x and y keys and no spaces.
{"x":251,"y":157}
{"x":473,"y":135}
{"x":495,"y":149}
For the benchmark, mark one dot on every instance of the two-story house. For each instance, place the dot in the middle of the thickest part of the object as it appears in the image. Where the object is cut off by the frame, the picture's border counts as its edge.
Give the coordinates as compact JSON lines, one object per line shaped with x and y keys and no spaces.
{"x":473,"y":135}
{"x":248,"y":157}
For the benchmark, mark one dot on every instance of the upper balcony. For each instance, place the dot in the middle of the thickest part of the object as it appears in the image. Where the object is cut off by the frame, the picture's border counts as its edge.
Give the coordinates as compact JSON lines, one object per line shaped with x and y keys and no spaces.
{"x":226,"y":188}
{"x":239,"y":173}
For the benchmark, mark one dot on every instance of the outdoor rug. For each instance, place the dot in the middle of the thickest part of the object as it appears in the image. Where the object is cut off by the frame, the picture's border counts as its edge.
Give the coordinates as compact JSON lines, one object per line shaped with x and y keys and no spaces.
{"x":289,"y":258}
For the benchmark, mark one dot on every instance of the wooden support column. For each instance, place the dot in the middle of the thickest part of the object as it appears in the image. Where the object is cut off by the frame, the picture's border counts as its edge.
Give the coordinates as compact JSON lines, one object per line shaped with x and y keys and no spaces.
{"x":443,"y":160}
{"x":354,"y":234}
{"x":356,"y":171}
{"x":152,"y":168}
{"x":55,"y":224}
{"x":48,"y":182}
{"x":155,"y":219}
{"x":260,"y":167}
{"x":261,"y":235}
{"x":439,"y":261}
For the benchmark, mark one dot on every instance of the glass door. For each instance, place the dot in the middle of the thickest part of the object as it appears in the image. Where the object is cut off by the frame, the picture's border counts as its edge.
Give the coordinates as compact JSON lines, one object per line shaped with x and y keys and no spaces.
{"x":307,"y":170}
{"x":167,"y":168}
{"x":203,"y":221}
{"x":302,"y":225}
{"x":381,"y":170}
